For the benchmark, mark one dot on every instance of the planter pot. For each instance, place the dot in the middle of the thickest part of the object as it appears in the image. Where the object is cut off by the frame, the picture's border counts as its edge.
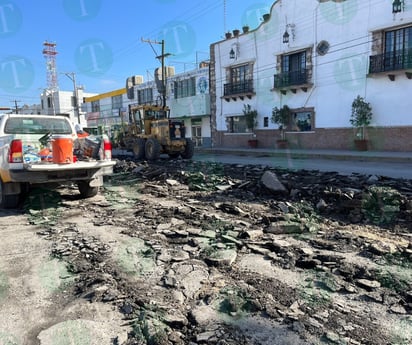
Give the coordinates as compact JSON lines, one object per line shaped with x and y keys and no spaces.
{"x":252,"y":143}
{"x":245,"y":29}
{"x":228,"y":35}
{"x":361,"y":145}
{"x":282,"y":144}
{"x":236,"y":33}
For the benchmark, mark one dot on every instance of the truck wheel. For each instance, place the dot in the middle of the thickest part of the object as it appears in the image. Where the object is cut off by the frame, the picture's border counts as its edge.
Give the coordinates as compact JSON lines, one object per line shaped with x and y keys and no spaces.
{"x":152,"y":149}
{"x":8,"y":200}
{"x":139,"y":148}
{"x":86,"y":191}
{"x":189,"y":149}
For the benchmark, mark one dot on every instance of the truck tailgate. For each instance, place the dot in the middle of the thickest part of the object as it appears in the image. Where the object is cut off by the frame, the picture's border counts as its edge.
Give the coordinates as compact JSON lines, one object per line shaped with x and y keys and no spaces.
{"x":79,"y":165}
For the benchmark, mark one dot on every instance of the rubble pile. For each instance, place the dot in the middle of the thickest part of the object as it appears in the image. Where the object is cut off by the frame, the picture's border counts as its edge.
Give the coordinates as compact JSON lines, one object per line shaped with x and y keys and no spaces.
{"x":209,"y":253}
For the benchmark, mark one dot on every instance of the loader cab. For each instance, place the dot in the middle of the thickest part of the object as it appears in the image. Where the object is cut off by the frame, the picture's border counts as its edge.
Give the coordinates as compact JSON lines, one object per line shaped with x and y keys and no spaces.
{"x":155,"y":114}
{"x":148,"y":116}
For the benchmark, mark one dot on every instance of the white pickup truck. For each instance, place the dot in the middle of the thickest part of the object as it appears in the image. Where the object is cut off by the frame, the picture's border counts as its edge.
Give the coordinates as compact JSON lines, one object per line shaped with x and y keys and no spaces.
{"x":26,"y":156}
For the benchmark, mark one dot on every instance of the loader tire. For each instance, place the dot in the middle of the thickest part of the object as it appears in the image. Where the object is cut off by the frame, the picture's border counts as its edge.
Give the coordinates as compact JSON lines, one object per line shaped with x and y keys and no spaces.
{"x":152,"y":149}
{"x":139,"y":148}
{"x":189,"y":149}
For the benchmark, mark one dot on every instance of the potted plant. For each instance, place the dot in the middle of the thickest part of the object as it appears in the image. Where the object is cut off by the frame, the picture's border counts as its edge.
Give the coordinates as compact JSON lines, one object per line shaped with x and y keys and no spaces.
{"x":361,"y":118}
{"x":281,"y":117}
{"x":245,"y":28}
{"x":251,"y":122}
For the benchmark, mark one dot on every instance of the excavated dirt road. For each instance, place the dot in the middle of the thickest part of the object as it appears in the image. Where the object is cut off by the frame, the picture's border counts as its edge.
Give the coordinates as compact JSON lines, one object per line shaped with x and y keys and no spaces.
{"x":179,"y":252}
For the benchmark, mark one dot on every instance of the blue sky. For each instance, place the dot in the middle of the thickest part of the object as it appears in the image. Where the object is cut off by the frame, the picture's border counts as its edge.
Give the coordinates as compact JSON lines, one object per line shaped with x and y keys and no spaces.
{"x":101,"y":40}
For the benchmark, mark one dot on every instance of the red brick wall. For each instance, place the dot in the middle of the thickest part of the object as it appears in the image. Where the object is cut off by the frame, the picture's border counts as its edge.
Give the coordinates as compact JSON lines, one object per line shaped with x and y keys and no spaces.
{"x":380,"y":139}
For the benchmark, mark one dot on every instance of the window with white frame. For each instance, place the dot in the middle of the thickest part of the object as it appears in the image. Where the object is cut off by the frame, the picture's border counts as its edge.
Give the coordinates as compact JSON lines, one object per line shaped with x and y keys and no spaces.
{"x":398,"y":48}
{"x":236,"y":124}
{"x":185,"y":88}
{"x":117,"y":102}
{"x":295,"y":62}
{"x":294,"y":69}
{"x":145,"y":95}
{"x":240,"y":80}
{"x":392,"y":50}
{"x":95,"y":106}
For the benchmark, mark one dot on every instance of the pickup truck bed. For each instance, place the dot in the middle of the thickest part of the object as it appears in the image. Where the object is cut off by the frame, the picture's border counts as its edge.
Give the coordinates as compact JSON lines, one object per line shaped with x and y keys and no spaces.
{"x":23,"y":141}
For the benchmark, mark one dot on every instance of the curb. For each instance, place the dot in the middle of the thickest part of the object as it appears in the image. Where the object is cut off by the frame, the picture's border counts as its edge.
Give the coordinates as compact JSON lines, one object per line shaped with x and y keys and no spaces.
{"x":373,"y":156}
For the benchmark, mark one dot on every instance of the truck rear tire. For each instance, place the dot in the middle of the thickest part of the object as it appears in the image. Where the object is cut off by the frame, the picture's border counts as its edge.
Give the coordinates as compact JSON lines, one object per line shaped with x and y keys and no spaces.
{"x":189,"y":149}
{"x":152,"y":149}
{"x":8,"y":200}
{"x":139,"y":148}
{"x":86,"y":191}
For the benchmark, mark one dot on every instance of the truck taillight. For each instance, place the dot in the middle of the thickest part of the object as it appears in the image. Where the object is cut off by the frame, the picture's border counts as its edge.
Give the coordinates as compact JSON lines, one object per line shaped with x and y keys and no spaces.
{"x":107,"y":149}
{"x":16,"y":151}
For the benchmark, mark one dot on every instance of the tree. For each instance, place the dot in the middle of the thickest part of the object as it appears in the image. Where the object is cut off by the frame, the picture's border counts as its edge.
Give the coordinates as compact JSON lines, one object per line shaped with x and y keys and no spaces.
{"x":250,"y":117}
{"x":281,"y":117}
{"x":361,"y":116}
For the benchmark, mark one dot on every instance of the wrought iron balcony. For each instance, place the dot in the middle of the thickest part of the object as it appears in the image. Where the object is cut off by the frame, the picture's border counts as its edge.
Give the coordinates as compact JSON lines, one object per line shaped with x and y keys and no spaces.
{"x":391,"y":61}
{"x":292,"y":78}
{"x":243,"y":87}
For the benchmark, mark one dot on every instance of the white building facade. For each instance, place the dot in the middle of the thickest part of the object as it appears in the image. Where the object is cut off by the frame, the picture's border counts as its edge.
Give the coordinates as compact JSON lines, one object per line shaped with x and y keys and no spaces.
{"x":106,"y":109}
{"x":316,"y":57}
{"x":187,"y":96}
{"x":65,"y":103}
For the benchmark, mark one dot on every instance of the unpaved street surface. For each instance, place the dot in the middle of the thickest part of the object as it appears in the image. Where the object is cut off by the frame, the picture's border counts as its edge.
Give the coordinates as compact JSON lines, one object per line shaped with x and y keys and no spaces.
{"x":180,"y":252}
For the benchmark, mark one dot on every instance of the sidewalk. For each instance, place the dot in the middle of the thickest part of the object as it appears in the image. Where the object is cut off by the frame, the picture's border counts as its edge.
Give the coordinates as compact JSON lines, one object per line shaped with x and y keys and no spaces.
{"x":387,"y":156}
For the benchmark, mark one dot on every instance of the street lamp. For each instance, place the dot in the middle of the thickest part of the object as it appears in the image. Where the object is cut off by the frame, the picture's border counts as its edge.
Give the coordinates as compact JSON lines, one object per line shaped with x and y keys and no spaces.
{"x":286,"y":37}
{"x":397,"y":6}
{"x":234,"y":51}
{"x":286,"y":34}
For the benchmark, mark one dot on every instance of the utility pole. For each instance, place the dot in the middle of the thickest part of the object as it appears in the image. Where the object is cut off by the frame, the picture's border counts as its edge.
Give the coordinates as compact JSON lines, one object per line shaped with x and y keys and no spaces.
{"x":72,"y":77}
{"x":162,"y":60}
{"x":15,"y":106}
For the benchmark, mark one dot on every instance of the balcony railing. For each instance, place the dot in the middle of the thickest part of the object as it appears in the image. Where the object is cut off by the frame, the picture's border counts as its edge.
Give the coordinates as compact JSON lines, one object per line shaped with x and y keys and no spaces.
{"x":391,"y":61}
{"x":291,"y":78}
{"x":243,"y":87}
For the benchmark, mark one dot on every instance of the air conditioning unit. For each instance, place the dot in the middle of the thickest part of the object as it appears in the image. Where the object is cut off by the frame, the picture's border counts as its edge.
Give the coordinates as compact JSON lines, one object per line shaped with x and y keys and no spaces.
{"x":170,"y":71}
{"x":137,"y":79}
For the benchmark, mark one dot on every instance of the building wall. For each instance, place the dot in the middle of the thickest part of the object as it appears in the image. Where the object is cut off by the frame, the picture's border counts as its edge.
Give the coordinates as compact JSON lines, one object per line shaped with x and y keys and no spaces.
{"x":61,"y":102}
{"x":380,"y":139}
{"x":108,"y":114}
{"x":191,"y":109}
{"x":352,"y":29}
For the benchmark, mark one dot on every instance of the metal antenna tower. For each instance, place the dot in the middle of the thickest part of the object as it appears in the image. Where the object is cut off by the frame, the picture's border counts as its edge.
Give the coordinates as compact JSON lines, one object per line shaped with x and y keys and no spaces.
{"x":49,"y":52}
